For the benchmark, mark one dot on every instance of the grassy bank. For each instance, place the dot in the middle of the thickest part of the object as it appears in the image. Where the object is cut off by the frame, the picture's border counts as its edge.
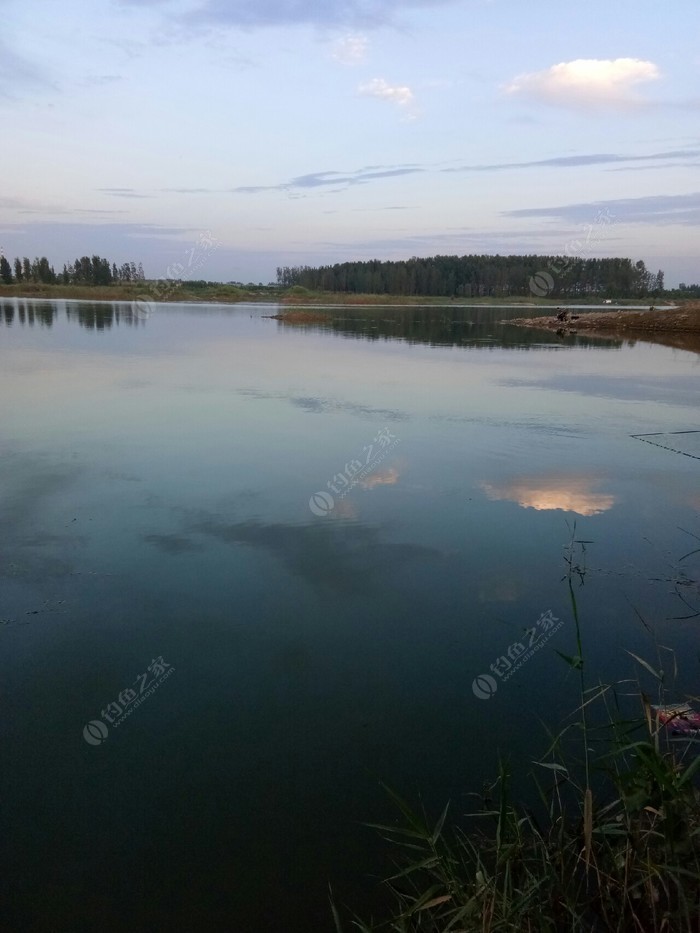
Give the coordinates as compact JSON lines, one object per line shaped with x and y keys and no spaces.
{"x":142,"y":291}
{"x":298,"y":295}
{"x":205,"y":292}
{"x":214,"y":292}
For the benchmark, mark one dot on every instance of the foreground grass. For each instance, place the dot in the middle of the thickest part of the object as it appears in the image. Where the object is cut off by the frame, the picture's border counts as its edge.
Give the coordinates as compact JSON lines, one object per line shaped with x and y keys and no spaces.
{"x":627,"y":861}
{"x":614,"y":844}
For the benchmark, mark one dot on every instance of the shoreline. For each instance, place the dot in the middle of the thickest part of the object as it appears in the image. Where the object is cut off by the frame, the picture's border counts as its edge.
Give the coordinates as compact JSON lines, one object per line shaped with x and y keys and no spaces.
{"x":678,"y":328}
{"x":681,"y":319}
{"x":171,"y":293}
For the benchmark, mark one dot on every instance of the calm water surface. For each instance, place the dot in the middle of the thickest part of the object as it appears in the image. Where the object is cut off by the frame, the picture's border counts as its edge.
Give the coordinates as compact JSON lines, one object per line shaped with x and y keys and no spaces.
{"x":159,"y":557}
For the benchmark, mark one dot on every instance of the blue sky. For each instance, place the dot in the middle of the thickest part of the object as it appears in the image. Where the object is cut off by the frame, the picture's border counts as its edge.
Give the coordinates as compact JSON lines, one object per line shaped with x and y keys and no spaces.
{"x":313,"y":132}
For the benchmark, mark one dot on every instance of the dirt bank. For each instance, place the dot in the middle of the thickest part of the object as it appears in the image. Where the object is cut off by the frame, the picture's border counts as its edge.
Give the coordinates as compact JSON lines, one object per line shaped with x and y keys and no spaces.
{"x":682,"y":320}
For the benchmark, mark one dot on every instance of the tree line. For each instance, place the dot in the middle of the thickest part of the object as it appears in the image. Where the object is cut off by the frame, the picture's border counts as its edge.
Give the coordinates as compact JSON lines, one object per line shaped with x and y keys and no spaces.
{"x":684,"y":291}
{"x":88,"y":270}
{"x":478,"y":276}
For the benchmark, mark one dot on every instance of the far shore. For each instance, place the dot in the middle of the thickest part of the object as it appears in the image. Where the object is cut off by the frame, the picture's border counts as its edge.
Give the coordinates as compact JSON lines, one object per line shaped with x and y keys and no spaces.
{"x":213,"y":293}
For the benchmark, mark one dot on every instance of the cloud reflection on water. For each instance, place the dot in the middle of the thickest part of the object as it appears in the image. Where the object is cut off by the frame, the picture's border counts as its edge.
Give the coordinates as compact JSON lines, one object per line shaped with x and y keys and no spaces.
{"x":568,"y":492}
{"x":388,"y":477}
{"x":349,"y":558}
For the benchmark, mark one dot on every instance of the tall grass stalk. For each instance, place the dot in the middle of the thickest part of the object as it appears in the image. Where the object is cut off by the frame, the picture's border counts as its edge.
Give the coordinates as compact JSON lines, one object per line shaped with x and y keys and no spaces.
{"x":629,"y":863}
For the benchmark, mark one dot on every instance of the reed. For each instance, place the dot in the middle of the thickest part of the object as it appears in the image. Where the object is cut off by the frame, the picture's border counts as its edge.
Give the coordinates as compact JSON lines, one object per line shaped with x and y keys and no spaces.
{"x":614,"y":844}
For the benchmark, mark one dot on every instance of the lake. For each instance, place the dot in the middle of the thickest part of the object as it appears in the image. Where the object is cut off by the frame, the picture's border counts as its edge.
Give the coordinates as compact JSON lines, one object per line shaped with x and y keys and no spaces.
{"x":251,"y":571}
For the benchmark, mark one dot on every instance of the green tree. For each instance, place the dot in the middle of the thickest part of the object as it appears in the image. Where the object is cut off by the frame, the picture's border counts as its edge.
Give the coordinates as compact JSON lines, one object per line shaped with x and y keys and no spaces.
{"x":5,"y":271}
{"x":45,"y":272}
{"x":18,"y":270}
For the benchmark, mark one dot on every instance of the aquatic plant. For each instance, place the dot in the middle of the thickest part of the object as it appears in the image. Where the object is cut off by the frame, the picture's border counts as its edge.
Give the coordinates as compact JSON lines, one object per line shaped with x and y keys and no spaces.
{"x":613,"y":843}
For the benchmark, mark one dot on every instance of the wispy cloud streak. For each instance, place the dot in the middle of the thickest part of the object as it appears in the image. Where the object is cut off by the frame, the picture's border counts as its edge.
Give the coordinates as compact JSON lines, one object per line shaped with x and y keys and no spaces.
{"x":578,"y":161}
{"x":661,"y":209}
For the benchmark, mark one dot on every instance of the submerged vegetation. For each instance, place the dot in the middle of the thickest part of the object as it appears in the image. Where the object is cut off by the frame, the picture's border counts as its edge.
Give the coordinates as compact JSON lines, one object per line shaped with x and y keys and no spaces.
{"x":611,"y":844}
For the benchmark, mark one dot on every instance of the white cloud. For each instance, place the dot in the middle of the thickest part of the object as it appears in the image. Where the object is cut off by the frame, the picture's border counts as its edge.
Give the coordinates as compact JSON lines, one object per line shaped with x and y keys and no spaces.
{"x":590,"y":82}
{"x":351,"y":50}
{"x":398,"y":94}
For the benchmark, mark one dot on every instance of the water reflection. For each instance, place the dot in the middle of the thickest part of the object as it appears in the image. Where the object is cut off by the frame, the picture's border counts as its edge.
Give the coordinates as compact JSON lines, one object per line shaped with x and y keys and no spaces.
{"x":97,"y":316}
{"x":435,"y":326}
{"x":447,"y":327}
{"x":155,"y":478}
{"x":568,"y":492}
{"x":387,"y":477}
{"x":28,"y":313}
{"x":343,"y":557}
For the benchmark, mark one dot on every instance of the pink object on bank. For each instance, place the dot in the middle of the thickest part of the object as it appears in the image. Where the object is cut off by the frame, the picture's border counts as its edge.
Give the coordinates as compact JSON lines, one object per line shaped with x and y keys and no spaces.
{"x":680,"y":719}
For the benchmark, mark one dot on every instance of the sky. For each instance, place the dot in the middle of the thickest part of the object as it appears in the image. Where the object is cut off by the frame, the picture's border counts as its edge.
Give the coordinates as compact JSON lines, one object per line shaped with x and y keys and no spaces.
{"x":226,"y":138}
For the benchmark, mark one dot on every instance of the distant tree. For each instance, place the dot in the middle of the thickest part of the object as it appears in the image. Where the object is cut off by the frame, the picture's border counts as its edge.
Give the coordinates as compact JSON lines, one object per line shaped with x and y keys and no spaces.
{"x":476,"y":276}
{"x":5,"y":271}
{"x":641,"y":279}
{"x":101,"y":273}
{"x":18,"y":270}
{"x":684,"y":291}
{"x":115,"y":272}
{"x":44,"y":271}
{"x":26,"y":269}
{"x":83,"y":271}
{"x":141,"y":274}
